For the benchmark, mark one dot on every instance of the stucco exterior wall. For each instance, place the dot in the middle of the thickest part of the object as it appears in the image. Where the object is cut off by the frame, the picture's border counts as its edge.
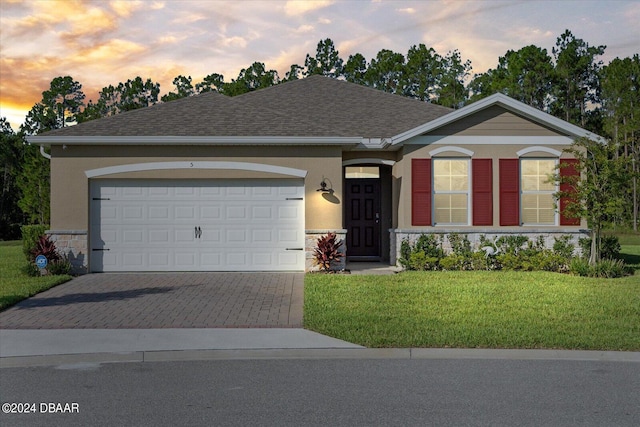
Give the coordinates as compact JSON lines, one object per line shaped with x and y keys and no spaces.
{"x":495,"y":121}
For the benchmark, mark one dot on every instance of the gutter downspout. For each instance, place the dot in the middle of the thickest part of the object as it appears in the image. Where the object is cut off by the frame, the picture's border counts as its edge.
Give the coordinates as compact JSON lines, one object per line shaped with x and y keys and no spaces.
{"x":45,"y":155}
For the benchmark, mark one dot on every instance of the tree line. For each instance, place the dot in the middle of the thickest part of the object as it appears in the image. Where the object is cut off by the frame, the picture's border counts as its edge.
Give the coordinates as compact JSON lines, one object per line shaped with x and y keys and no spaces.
{"x":571,"y":83}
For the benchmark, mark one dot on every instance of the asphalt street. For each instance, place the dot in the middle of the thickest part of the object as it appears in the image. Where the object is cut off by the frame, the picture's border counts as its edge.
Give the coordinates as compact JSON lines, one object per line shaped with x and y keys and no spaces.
{"x":477,"y":392}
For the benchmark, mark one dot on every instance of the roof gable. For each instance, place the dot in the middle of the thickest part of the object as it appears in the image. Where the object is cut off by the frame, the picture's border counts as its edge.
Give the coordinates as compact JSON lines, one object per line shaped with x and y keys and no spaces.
{"x":509,"y":104}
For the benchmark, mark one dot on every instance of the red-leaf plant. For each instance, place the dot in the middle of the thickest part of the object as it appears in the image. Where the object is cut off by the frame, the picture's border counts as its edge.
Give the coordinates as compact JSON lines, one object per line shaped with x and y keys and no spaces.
{"x":327,"y":251}
{"x":44,"y":246}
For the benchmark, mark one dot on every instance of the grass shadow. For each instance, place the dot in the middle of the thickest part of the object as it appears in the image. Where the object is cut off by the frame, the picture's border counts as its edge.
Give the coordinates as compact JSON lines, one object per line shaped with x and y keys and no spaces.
{"x":632,"y":261}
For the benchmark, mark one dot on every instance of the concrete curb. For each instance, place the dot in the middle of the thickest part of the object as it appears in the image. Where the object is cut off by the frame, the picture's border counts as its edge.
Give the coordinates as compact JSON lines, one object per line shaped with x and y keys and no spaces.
{"x":70,"y":360}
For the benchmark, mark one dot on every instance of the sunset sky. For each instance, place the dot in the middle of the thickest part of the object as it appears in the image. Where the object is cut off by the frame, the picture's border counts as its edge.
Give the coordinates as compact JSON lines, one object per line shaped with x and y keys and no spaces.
{"x":100,"y":43}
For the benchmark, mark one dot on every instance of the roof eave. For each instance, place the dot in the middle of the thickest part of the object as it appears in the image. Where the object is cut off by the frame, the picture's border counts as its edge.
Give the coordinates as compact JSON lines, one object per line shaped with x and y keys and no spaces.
{"x":508,"y":103}
{"x":192,"y":140}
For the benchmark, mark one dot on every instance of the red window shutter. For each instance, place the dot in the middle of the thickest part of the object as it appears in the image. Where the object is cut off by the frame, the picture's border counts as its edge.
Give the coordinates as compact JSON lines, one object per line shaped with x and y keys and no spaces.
{"x":482,"y":187}
{"x":569,"y":170}
{"x":421,"y":191}
{"x":509,"y":192}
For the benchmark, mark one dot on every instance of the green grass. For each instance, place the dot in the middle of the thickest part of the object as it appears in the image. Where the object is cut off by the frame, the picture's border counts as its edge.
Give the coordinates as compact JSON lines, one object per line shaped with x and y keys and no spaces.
{"x":15,"y":285}
{"x":476,"y":310}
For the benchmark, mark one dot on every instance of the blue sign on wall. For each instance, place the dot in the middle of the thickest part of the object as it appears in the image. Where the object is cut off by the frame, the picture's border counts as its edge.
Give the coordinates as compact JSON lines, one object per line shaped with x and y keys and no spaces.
{"x":41,"y":261}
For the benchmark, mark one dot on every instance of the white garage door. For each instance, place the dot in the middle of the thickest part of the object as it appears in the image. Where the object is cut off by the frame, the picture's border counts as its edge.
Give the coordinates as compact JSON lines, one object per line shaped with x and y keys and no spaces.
{"x":197,"y":225}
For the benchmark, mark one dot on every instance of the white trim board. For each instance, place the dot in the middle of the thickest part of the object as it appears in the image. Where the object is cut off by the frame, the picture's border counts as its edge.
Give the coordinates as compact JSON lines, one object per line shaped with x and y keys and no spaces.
{"x":368,"y":161}
{"x":137,"y":167}
{"x":192,"y":140}
{"x":452,"y":149}
{"x":488,"y":140}
{"x":535,"y":149}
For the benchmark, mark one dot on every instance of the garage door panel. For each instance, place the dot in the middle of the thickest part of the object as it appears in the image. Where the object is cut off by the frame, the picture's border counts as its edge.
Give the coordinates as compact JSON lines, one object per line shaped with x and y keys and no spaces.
{"x":262,"y":213}
{"x":235,"y":213}
{"x":182,"y":235}
{"x":185,"y":259}
{"x":210,"y":212}
{"x":261,"y":236}
{"x":211,"y":236}
{"x":210,"y":259}
{"x":107,"y":259}
{"x":144,"y":225}
{"x":185,"y":213}
{"x":158,"y":213}
{"x":159,"y":236}
{"x":133,"y":237}
{"x":211,"y":192}
{"x":108,"y":236}
{"x":236,"y":237}
{"x":159,"y":259}
{"x":288,"y":212}
{"x":290,"y":258}
{"x":156,"y":191}
{"x":288,"y":236}
{"x":236,"y":260}
{"x":134,"y":260}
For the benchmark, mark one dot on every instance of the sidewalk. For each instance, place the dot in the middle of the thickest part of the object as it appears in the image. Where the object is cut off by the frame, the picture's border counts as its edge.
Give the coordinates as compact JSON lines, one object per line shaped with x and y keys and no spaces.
{"x":78,"y":347}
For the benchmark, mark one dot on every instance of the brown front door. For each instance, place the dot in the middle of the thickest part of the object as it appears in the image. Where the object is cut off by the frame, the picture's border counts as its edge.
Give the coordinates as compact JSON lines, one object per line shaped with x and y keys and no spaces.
{"x":363,"y":218}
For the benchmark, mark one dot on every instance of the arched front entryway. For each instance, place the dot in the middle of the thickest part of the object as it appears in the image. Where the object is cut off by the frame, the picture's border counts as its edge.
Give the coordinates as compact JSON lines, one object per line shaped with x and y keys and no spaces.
{"x":367,"y":212}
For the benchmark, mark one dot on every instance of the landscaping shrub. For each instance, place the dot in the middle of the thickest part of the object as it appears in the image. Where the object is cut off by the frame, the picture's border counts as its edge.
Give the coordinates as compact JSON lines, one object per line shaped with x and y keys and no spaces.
{"x":327,"y":251}
{"x":609,"y":247}
{"x":57,"y":264}
{"x":31,"y":270}
{"x":455,"y":262}
{"x":60,"y":266}
{"x":508,"y":261}
{"x":405,"y":253}
{"x":30,"y":236}
{"x":563,"y":247}
{"x":551,"y":261}
{"x":605,"y":268}
{"x":460,"y":244}
{"x":511,"y":244}
{"x":422,"y":262}
{"x":609,"y":269}
{"x":423,"y":255}
{"x":430,"y":245}
{"x":44,"y":246}
{"x":514,"y":252}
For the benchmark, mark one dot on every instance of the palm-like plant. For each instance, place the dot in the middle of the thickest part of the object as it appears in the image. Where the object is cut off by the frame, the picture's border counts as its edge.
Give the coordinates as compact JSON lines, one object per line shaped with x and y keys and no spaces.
{"x":327,"y":251}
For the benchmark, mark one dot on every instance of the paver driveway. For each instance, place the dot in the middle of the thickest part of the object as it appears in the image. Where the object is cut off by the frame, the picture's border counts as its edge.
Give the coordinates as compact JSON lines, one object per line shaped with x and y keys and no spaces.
{"x":158,"y":300}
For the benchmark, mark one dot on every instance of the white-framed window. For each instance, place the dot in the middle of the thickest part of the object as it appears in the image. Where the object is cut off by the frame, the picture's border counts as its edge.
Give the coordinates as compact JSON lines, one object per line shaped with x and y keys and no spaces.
{"x":451,"y":191}
{"x":369,"y":172}
{"x":536,"y":192}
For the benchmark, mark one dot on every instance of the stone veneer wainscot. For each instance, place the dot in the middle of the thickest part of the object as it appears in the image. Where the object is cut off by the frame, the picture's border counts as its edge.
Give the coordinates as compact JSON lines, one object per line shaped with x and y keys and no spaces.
{"x":398,"y":235}
{"x":74,"y":245}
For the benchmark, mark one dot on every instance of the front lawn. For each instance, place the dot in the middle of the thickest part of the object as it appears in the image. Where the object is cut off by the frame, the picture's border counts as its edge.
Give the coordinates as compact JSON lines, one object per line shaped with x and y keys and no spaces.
{"x":482,"y":309}
{"x":15,"y":285}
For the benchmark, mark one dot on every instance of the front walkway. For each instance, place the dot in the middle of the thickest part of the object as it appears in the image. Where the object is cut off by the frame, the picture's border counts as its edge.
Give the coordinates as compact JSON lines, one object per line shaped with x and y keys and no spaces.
{"x":159,"y":300}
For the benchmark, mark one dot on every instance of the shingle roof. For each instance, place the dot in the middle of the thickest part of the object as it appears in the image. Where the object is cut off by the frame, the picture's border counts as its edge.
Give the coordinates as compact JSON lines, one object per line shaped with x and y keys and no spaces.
{"x":312,"y":107}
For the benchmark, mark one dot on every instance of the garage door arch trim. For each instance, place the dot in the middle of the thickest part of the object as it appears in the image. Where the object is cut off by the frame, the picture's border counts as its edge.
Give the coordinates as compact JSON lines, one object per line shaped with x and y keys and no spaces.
{"x":137,"y":167}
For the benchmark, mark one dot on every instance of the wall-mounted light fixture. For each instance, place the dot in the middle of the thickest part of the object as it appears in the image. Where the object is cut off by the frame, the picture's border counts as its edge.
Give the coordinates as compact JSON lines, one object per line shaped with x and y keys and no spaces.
{"x":324,"y":187}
